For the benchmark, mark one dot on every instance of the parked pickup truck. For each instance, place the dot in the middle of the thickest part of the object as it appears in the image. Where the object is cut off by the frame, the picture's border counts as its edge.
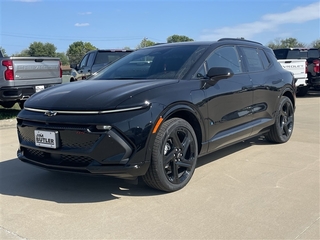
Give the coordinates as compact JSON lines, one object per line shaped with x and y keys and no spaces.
{"x":20,"y":77}
{"x":312,"y":58}
{"x":93,"y":61}
{"x":299,"y":69}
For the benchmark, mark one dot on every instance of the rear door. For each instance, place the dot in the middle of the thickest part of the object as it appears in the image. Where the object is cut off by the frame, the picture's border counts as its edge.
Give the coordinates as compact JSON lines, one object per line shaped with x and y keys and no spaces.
{"x":265,"y":78}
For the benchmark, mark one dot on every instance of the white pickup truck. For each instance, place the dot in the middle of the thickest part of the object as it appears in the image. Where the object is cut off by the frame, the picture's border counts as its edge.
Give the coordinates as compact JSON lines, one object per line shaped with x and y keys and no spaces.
{"x":299,"y":69}
{"x":20,"y":77}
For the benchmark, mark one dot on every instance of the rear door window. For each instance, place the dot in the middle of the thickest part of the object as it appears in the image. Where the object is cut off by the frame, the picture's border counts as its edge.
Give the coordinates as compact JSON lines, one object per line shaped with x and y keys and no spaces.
{"x":253,"y":60}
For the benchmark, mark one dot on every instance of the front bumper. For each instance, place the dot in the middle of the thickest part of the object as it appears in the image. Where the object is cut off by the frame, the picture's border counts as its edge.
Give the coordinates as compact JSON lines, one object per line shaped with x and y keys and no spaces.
{"x":82,"y":149}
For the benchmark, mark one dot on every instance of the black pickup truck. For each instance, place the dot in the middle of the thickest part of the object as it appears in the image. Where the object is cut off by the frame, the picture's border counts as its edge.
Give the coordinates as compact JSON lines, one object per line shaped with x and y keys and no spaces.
{"x":93,"y":61}
{"x":312,"y":56}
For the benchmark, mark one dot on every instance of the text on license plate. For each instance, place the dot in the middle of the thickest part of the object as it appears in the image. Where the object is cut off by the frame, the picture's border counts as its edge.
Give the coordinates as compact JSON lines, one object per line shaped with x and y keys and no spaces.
{"x":39,"y":88}
{"x":48,"y":139}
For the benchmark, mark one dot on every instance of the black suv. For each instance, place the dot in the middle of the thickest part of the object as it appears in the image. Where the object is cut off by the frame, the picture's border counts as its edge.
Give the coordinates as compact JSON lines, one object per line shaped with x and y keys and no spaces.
{"x":153,"y":112}
{"x":312,"y":56}
{"x":94,"y":60}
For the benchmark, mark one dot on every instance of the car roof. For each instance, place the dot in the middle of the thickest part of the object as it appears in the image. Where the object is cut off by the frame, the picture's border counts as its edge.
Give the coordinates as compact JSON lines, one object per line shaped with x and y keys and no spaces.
{"x":208,"y":43}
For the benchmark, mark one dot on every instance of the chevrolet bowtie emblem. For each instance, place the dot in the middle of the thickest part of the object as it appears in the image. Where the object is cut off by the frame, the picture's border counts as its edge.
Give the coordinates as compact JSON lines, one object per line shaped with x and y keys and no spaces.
{"x":50,"y":113}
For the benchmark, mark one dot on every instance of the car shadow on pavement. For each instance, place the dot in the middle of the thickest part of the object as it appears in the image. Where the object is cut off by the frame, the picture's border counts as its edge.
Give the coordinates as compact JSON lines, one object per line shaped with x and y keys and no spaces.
{"x":260,"y":140}
{"x":20,"y":179}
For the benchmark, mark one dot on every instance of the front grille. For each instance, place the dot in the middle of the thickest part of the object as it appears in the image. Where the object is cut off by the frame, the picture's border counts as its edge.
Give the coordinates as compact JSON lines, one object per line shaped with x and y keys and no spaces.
{"x":56,"y":159}
{"x":79,"y":161}
{"x":68,"y":138}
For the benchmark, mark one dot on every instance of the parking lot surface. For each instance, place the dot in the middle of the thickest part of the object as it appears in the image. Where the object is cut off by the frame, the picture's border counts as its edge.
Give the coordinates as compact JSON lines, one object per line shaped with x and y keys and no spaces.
{"x":252,"y":190}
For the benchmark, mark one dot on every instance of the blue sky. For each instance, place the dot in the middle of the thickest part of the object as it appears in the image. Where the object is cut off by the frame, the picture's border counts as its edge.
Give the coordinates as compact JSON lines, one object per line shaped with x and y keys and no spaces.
{"x":124,"y":23}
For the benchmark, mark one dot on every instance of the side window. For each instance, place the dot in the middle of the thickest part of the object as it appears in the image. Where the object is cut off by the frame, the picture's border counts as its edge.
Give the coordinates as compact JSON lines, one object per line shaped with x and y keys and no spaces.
{"x":83,"y":62}
{"x":253,"y":60}
{"x":91,"y":59}
{"x":225,"y":57}
{"x":264,"y":59}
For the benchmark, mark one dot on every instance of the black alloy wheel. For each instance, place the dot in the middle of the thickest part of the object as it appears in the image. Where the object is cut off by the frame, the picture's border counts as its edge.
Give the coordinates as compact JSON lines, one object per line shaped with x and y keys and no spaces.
{"x":174,"y":156}
{"x":282,"y":129}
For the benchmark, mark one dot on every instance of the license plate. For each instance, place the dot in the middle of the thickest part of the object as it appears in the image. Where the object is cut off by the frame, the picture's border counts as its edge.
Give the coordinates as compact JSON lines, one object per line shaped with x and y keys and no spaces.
{"x":39,"y":88}
{"x":48,"y":139}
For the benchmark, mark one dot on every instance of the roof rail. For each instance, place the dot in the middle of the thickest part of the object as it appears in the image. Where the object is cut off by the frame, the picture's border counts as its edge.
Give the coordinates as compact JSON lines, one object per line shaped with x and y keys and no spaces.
{"x":239,"y":39}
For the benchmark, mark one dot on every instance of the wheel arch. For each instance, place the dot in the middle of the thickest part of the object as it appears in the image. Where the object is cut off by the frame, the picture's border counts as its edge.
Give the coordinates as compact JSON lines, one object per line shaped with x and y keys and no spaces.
{"x":291,"y":96}
{"x":189,"y":114}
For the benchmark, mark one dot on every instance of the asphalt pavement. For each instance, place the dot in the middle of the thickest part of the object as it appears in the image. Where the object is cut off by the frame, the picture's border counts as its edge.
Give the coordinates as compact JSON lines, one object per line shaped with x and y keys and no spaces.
{"x":252,"y":190}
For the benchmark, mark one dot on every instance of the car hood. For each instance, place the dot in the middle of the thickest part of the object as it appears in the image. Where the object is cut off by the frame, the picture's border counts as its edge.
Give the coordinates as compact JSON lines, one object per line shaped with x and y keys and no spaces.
{"x":92,"y":94}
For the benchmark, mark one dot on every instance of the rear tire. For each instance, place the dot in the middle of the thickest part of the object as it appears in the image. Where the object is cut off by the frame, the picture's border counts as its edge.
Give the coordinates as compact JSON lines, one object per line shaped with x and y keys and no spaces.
{"x":282,"y":129}
{"x":174,"y":156}
{"x":8,"y":104}
{"x":302,"y":91}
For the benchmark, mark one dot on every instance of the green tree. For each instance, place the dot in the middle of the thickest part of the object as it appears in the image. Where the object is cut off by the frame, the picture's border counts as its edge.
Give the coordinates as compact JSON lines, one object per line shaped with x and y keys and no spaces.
{"x":3,"y":52}
{"x":63,"y":58}
{"x":39,"y":49}
{"x":23,"y":53}
{"x":285,"y":43}
{"x":178,"y":38}
{"x":145,"y":43}
{"x":77,"y":50}
{"x":316,"y":43}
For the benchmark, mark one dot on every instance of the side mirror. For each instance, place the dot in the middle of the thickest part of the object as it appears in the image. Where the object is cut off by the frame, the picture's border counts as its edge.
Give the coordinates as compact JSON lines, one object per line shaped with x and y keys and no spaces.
{"x":74,"y":66}
{"x":218,"y":73}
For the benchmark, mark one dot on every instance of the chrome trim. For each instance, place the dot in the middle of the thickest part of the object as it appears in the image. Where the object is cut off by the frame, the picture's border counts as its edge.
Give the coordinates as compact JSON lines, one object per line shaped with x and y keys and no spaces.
{"x":146,"y":104}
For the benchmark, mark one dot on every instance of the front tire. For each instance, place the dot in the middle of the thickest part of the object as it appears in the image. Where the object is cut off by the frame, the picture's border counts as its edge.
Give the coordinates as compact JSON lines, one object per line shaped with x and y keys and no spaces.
{"x":282,"y":129}
{"x":174,"y":156}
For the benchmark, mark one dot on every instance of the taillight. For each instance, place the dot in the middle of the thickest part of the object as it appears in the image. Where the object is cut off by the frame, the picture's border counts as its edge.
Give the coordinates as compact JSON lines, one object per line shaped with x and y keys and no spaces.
{"x":60,"y":70}
{"x":8,"y":73}
{"x":306,"y":68}
{"x":316,"y":66}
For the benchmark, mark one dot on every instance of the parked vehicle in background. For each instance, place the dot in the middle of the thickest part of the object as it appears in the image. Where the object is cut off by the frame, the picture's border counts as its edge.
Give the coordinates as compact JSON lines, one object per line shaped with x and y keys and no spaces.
{"x":312,"y":57}
{"x":298,"y":67}
{"x":154,"y":111}
{"x":93,"y":61}
{"x":21,"y":77}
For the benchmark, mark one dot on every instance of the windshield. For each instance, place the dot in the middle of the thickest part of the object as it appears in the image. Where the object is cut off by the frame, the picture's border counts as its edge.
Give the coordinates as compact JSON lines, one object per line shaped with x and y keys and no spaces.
{"x":160,"y":62}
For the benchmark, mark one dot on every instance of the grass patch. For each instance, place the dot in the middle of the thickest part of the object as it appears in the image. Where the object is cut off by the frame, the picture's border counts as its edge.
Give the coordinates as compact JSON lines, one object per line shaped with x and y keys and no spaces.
{"x":9,"y":113}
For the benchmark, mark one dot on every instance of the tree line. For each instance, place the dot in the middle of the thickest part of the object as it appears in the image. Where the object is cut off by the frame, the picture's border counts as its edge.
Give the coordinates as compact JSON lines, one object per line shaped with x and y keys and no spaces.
{"x":78,"y":49}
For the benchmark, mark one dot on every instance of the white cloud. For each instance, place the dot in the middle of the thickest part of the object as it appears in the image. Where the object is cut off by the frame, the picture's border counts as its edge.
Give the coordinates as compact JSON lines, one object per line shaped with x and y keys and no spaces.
{"x":82,"y":24}
{"x":85,"y":13}
{"x":268,"y":22}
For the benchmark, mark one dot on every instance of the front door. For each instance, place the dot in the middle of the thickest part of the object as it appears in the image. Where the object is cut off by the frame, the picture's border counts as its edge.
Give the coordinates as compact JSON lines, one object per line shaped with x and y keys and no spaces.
{"x":229,"y":100}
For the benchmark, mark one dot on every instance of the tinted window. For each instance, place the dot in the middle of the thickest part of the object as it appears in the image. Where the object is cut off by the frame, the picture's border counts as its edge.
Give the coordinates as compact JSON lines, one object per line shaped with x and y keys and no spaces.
{"x":108,"y":57}
{"x":281,"y":53}
{"x":313,"y":53}
{"x":84,"y":61}
{"x":91,"y":59}
{"x":296,"y":53}
{"x":225,"y":57}
{"x":253,"y":60}
{"x":264,"y":59}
